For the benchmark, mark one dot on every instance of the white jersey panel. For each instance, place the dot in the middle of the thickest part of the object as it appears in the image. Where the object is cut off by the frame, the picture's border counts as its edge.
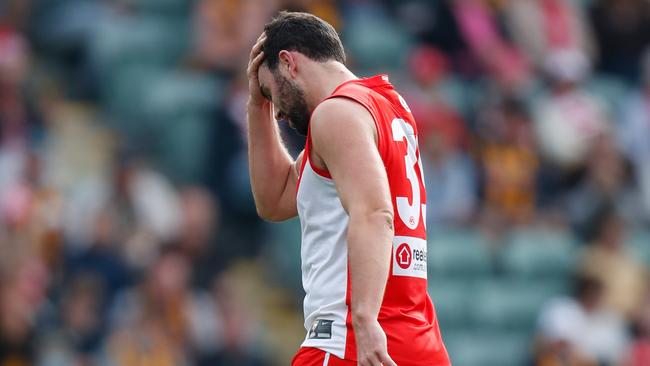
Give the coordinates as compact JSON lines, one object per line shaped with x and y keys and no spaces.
{"x":324,"y":255}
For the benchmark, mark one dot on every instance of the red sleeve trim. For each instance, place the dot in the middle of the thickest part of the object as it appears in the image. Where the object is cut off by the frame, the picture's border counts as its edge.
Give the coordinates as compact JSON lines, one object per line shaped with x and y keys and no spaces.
{"x":322,"y":172}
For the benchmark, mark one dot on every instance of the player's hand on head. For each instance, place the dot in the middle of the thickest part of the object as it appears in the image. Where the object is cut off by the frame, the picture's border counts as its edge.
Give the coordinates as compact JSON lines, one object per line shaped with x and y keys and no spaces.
{"x":255,"y":60}
{"x":372,"y":349}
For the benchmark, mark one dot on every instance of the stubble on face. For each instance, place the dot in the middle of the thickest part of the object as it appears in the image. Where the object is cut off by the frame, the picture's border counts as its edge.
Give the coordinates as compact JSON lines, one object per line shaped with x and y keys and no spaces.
{"x":293,"y":105}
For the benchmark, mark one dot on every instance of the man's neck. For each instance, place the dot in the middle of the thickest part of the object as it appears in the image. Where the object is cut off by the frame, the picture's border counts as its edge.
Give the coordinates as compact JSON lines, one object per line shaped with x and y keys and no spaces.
{"x":326,"y":78}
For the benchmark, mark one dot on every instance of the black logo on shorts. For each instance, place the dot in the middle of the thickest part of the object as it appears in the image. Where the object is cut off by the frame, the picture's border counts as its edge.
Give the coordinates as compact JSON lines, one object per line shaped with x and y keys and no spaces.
{"x":321,"y":329}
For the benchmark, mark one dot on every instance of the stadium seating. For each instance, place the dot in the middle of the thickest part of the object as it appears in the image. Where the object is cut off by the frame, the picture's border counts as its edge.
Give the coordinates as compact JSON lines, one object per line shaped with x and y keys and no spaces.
{"x":152,"y":41}
{"x":283,"y":252}
{"x":609,"y":90}
{"x":487,"y":297}
{"x":512,"y":304}
{"x":638,"y":243}
{"x":458,"y":253}
{"x":452,"y":300}
{"x":487,"y":348}
{"x":162,"y":6}
{"x":381,"y":43}
{"x":539,"y":253}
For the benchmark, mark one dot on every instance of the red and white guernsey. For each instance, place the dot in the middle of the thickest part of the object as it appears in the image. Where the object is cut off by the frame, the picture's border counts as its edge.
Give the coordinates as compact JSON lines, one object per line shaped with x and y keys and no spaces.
{"x":407,"y":314}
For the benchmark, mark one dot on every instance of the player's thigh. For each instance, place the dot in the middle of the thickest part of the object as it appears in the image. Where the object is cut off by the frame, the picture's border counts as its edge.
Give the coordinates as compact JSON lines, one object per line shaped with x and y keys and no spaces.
{"x":309,"y":356}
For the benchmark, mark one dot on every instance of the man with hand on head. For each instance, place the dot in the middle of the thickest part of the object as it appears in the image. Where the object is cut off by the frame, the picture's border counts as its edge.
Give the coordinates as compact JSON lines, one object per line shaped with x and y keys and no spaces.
{"x":358,"y":190}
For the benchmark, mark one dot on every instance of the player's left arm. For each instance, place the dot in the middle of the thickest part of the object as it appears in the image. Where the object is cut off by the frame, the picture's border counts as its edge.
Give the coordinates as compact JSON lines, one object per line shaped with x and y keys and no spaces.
{"x":344,"y":139}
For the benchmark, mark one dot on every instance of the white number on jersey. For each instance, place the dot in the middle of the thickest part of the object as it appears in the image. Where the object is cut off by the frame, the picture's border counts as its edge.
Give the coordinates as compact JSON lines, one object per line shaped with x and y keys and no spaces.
{"x":409,"y":213}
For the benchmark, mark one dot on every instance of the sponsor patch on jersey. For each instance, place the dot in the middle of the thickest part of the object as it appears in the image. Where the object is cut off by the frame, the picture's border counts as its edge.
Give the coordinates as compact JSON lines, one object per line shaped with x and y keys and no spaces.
{"x":409,"y":257}
{"x":321,"y":329}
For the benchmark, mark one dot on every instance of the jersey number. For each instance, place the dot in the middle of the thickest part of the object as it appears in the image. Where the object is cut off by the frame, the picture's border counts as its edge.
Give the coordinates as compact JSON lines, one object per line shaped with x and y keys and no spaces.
{"x":409,"y":213}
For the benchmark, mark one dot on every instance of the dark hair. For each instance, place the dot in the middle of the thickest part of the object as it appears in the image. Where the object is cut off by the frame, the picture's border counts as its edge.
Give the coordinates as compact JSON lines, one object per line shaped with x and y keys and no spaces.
{"x":302,"y":32}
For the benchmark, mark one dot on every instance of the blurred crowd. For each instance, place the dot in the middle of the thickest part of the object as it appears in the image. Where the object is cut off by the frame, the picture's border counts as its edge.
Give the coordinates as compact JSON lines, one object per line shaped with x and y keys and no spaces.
{"x":128,"y":234}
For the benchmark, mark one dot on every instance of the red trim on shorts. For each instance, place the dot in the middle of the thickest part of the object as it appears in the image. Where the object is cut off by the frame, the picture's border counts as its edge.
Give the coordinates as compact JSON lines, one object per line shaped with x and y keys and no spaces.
{"x":310,"y":356}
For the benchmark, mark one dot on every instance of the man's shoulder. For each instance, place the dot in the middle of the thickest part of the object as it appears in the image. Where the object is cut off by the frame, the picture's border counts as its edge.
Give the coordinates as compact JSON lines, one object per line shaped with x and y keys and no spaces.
{"x":336,"y":115}
{"x":338,"y":123}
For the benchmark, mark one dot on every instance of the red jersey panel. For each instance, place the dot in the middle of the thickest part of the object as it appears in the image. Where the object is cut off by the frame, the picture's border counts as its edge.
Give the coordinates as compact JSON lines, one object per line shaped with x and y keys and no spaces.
{"x":407,"y":314}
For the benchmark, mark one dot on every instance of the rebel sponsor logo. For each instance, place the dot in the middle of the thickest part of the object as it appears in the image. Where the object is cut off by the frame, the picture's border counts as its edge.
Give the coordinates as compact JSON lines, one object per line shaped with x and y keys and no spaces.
{"x":409,"y":257}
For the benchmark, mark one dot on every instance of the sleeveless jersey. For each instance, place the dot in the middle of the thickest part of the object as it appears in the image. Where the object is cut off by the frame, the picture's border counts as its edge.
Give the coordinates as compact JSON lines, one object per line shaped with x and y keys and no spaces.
{"x":407,"y":315}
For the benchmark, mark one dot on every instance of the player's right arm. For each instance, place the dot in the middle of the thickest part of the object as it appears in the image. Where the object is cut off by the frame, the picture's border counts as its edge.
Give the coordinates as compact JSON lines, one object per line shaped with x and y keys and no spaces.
{"x":273,"y":172}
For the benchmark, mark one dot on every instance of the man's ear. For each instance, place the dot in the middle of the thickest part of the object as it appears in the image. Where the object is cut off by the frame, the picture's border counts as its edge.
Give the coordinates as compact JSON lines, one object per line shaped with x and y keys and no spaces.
{"x":288,"y":62}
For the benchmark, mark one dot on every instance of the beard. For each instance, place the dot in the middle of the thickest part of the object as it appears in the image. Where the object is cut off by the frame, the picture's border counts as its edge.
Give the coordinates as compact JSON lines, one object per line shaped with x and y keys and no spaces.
{"x":293,"y":105}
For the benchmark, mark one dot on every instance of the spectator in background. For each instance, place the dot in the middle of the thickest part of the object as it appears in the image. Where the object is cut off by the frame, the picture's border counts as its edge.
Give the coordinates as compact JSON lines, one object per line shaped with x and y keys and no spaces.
{"x":509,"y":164}
{"x":579,"y":331}
{"x":622,"y":29}
{"x":152,"y":322}
{"x":237,"y":333}
{"x":478,"y":21}
{"x":144,"y":343}
{"x":634,"y":133}
{"x":77,"y":335}
{"x":541,"y":27}
{"x":602,"y":187}
{"x":450,"y":177}
{"x":224,"y":29}
{"x":31,"y":211}
{"x":568,"y":121}
{"x":622,"y":277}
{"x":165,"y":322}
{"x":23,"y":286}
{"x":450,"y":174}
{"x":429,"y":75}
{"x":18,"y":121}
{"x":433,"y":22}
{"x":102,"y":261}
{"x":14,"y":113}
{"x":324,"y":9}
{"x":198,"y":236}
{"x":143,"y":203}
{"x":146,"y":194}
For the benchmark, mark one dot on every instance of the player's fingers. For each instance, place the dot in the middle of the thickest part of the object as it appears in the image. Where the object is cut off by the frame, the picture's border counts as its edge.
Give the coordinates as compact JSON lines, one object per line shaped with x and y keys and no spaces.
{"x":258,"y":60}
{"x":255,"y":64}
{"x":260,"y":39}
{"x":262,"y":35}
{"x":255,"y":52}
{"x":371,"y":360}
{"x":257,"y":46}
{"x":386,"y":360}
